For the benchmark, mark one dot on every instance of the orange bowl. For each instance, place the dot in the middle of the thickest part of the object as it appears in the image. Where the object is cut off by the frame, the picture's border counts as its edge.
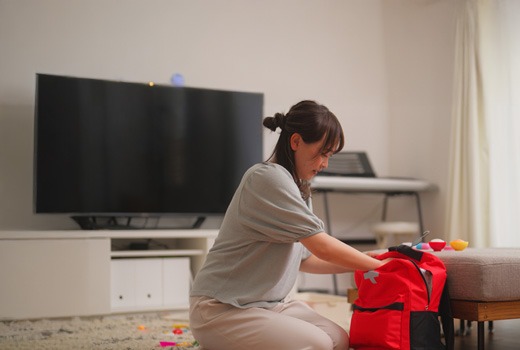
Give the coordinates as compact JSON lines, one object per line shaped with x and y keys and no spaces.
{"x":459,"y":244}
{"x":437,"y":245}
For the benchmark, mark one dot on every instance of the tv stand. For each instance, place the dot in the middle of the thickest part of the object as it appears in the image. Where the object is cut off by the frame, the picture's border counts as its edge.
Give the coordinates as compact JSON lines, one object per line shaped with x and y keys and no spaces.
{"x":91,"y":223}
{"x":66,"y":273}
{"x":198,"y":223}
{"x":113,"y":223}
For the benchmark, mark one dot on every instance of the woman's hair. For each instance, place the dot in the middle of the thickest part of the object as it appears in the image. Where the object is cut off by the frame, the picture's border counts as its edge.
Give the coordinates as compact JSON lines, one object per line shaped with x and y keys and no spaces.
{"x":312,"y":122}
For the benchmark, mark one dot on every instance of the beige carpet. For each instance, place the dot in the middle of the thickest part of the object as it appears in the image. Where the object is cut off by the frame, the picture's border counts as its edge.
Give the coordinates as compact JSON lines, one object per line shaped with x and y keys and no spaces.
{"x":135,"y":331}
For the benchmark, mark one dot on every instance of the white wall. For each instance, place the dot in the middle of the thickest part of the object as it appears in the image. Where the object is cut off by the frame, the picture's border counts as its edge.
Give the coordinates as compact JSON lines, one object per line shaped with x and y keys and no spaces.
{"x":418,"y":38}
{"x":384,"y":68}
{"x":330,"y":51}
{"x":420,"y":53}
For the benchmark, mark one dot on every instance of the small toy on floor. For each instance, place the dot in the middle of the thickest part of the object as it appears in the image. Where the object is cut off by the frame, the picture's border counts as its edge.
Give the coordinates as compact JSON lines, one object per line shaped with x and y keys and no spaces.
{"x":182,"y":338}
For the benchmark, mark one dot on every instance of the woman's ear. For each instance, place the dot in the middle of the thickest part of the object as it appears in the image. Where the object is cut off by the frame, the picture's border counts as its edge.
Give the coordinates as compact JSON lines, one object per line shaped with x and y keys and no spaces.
{"x":296,"y":140}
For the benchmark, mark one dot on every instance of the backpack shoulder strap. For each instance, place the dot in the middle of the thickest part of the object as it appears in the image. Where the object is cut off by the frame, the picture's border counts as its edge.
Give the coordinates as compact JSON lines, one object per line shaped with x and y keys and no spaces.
{"x":447,"y":318}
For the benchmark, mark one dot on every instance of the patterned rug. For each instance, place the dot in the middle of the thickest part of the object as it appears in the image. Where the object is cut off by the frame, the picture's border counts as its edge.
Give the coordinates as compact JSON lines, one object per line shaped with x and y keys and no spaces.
{"x":135,"y":331}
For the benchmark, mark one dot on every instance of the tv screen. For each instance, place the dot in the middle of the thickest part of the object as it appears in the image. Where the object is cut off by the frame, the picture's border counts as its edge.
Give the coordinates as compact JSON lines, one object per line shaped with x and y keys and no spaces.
{"x":109,"y":148}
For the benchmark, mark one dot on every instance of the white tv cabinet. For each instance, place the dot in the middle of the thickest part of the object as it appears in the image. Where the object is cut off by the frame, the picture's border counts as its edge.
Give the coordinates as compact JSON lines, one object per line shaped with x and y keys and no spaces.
{"x":82,"y":273}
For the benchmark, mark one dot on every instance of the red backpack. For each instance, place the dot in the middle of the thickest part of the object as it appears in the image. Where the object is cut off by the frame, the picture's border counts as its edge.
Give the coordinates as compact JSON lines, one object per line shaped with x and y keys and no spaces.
{"x":399,"y":304}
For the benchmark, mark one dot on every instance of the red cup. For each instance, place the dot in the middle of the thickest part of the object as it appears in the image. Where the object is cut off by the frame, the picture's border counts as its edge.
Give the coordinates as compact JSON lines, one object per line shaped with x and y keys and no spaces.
{"x":437,"y":245}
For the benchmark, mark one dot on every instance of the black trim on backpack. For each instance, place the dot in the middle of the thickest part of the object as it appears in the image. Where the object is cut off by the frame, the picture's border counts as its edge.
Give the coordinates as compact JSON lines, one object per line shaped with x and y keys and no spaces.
{"x":447,"y":318}
{"x":424,"y":331}
{"x":394,"y":306}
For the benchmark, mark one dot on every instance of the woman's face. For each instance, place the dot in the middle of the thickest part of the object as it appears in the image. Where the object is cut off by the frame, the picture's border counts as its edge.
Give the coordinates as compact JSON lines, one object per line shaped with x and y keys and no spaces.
{"x":309,"y":160}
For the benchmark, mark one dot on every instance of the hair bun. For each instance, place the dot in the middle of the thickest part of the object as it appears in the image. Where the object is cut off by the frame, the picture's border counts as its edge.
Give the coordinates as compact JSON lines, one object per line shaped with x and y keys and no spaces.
{"x":280,"y":120}
{"x":276,"y":121}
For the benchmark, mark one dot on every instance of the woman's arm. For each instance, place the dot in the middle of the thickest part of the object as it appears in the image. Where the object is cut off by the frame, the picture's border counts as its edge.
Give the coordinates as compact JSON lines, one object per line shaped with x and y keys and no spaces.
{"x":333,"y":256}
{"x":314,"y":264}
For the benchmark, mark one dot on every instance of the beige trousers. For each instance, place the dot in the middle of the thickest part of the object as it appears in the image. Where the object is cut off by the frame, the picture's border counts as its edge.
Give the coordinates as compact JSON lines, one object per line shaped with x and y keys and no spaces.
{"x":288,"y":326}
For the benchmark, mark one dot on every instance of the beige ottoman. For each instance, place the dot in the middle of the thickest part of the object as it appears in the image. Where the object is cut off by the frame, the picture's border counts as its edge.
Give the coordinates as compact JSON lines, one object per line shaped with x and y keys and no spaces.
{"x":483,"y":284}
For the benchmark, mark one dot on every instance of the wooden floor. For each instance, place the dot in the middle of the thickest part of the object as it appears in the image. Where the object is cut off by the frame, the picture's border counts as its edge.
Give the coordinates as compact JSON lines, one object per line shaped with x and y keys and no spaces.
{"x":506,"y":336}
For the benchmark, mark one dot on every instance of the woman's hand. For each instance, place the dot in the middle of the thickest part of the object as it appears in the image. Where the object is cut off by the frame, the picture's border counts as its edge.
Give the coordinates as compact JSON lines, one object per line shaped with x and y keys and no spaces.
{"x":375,"y":254}
{"x":372,"y":254}
{"x":387,"y":260}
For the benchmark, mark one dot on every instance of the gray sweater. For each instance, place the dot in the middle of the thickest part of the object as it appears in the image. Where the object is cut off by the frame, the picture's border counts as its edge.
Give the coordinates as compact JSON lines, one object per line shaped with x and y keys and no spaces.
{"x":256,"y":257}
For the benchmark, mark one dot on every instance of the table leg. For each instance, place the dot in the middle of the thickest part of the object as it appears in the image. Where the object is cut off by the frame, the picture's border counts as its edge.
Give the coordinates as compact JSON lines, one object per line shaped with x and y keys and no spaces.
{"x":329,"y":231}
{"x":419,"y":213}
{"x":385,"y":206}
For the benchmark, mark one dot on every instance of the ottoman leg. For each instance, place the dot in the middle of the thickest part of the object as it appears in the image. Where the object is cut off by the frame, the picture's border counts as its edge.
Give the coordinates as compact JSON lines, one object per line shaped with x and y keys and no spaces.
{"x":480,"y":334}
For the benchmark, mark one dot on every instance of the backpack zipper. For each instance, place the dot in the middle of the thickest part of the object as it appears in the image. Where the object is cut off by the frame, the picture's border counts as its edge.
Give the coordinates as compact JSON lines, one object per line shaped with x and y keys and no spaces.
{"x":425,"y":283}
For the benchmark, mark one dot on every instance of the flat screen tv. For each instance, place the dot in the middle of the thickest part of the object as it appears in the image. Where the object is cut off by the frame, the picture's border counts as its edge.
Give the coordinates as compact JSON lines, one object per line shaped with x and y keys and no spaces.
{"x":111,"y":149}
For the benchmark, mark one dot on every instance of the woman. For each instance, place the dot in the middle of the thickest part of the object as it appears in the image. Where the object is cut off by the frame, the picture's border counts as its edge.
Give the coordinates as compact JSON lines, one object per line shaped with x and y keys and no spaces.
{"x":239,"y":299}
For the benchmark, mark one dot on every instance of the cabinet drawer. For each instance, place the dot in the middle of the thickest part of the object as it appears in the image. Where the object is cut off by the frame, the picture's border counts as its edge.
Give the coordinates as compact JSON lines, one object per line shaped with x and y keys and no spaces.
{"x":149,"y":283}
{"x":122,"y":282}
{"x":176,"y":282}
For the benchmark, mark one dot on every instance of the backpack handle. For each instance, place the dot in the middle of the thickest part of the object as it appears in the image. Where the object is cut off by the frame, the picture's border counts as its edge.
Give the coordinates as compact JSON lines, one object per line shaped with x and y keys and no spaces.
{"x":406,"y":250}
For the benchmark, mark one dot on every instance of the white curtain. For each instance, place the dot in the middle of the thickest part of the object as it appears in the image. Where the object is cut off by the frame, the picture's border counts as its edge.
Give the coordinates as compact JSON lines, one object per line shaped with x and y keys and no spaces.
{"x":484,"y":191}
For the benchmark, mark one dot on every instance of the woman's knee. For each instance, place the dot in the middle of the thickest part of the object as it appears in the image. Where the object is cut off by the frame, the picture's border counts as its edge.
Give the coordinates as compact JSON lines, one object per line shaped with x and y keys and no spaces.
{"x":322,"y":342}
{"x":340,"y":340}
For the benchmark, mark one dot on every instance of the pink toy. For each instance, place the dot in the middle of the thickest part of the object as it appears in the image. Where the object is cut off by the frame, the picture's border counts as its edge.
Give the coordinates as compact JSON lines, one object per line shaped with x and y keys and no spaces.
{"x":423,"y":246}
{"x":167,"y":343}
